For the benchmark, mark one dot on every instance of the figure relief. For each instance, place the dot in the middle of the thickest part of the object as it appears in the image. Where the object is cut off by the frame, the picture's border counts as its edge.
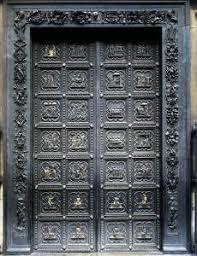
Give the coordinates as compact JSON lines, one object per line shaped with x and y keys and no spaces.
{"x":116,"y":232}
{"x":144,"y":140}
{"x":78,"y":233}
{"x":115,"y":51}
{"x":116,"y":140}
{"x":115,"y":110}
{"x":50,"y":80}
{"x":143,"y":51}
{"x":50,"y":202}
{"x":115,"y":80}
{"x":143,"y":80}
{"x":77,"y":51}
{"x":78,"y":80}
{"x":50,"y":171}
{"x":78,"y":141}
{"x":116,"y":204}
{"x":143,"y":110}
{"x":116,"y":201}
{"x":50,"y":141}
{"x":51,"y":52}
{"x":144,"y":201}
{"x":78,"y":171}
{"x":143,"y":171}
{"x":78,"y":111}
{"x":78,"y":202}
{"x":50,"y":111}
{"x":144,"y":232}
{"x":116,"y":171}
{"x":51,"y":233}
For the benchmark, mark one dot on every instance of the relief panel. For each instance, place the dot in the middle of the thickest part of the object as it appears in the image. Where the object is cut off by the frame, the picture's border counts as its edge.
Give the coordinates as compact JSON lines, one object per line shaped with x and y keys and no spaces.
{"x":115,"y":52}
{"x":116,"y":234}
{"x":116,"y":110}
{"x":143,"y":51}
{"x":144,"y":171}
{"x":50,"y":171}
{"x":116,"y":202}
{"x":78,"y":233}
{"x":116,"y":140}
{"x":78,"y":111}
{"x":77,"y":52}
{"x":50,"y":111}
{"x":115,"y":80}
{"x":50,"y":80}
{"x":144,"y":232}
{"x":144,"y":110}
{"x":78,"y":202}
{"x":144,"y":201}
{"x":49,"y":233}
{"x":116,"y":171}
{"x":50,"y":203}
{"x":78,"y":141}
{"x":144,"y":140}
{"x":50,"y":141}
{"x":78,"y":80}
{"x":50,"y":52}
{"x":78,"y":171}
{"x":143,"y":79}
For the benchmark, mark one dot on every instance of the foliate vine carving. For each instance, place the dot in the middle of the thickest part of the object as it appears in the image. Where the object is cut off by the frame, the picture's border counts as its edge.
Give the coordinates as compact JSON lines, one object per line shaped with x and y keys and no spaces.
{"x":37,"y":17}
{"x":19,"y":142}
{"x":57,"y":17}
{"x":172,"y":118}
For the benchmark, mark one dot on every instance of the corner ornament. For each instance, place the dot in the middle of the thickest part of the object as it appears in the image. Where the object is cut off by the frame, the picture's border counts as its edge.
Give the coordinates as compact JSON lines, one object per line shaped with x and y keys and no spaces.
{"x":24,"y":18}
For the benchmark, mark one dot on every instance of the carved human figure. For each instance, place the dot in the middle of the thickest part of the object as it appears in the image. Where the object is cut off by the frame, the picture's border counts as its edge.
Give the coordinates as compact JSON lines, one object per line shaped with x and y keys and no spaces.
{"x":144,"y":171}
{"x":50,"y":51}
{"x":144,"y":141}
{"x":49,"y":80}
{"x":78,"y":233}
{"x":144,"y":201}
{"x":116,"y":204}
{"x":115,"y":51}
{"x":143,"y":80}
{"x":78,"y":203}
{"x":50,"y":111}
{"x":144,"y":232}
{"x":50,"y":200}
{"x":78,"y":79}
{"x":77,"y":51}
{"x":78,"y":171}
{"x":50,"y":141}
{"x":116,"y":140}
{"x":49,"y":173}
{"x":116,"y":234}
{"x":49,"y":233}
{"x":116,"y":170}
{"x":142,"y":110}
{"x":143,"y":51}
{"x":116,"y":81}
{"x":78,"y":141}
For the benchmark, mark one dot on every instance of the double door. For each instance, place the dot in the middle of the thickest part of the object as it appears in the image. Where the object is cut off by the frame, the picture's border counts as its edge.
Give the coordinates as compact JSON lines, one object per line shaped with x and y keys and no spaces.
{"x":96,"y":140}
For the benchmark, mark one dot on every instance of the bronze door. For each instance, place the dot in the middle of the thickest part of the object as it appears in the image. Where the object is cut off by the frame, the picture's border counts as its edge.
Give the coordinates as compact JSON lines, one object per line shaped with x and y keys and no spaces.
{"x":96,"y":141}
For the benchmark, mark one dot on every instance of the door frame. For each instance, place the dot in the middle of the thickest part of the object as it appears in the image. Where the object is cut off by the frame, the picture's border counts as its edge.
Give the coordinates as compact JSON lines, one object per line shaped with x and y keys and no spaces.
{"x":175,"y":184}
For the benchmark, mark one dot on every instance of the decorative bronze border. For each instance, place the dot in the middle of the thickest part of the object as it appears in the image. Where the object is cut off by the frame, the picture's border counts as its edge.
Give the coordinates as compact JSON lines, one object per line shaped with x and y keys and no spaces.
{"x":165,"y":18}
